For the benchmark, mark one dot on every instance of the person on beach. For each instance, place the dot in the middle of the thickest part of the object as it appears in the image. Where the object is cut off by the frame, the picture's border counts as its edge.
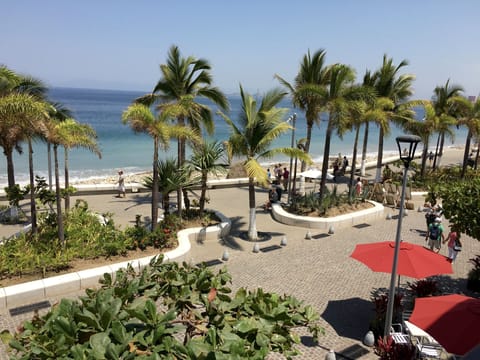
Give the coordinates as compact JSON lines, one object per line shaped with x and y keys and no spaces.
{"x":121,"y":184}
{"x":344,"y":164}
{"x":430,"y":158}
{"x":435,"y":235}
{"x":278,"y":172}
{"x":269,"y":175}
{"x":454,"y":244}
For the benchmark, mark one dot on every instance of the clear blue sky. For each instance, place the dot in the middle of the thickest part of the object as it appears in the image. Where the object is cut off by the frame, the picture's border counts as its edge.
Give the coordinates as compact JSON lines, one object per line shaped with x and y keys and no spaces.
{"x":120,"y":44}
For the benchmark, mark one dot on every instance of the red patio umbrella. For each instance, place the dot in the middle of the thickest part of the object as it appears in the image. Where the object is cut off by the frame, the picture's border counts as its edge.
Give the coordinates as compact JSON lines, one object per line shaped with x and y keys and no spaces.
{"x":413,"y":260}
{"x":451,"y":319}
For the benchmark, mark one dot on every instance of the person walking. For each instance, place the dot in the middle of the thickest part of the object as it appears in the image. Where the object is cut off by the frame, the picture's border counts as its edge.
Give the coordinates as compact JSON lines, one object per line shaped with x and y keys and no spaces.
{"x":435,"y":235}
{"x":121,"y":184}
{"x":358,"y":187}
{"x":454,"y":244}
{"x":286,"y":178}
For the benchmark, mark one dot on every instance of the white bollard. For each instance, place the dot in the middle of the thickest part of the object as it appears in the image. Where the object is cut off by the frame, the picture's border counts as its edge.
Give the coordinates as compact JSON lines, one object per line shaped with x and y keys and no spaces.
{"x":369,"y":339}
{"x":225,"y":255}
{"x":256,"y":248}
{"x":331,"y":230}
{"x":308,"y":235}
{"x":389,"y":216}
{"x":330,"y":355}
{"x":283,"y":242}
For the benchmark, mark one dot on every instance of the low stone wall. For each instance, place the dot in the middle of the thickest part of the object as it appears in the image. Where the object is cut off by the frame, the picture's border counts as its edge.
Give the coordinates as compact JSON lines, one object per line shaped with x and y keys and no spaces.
{"x":338,"y":222}
{"x":38,"y":290}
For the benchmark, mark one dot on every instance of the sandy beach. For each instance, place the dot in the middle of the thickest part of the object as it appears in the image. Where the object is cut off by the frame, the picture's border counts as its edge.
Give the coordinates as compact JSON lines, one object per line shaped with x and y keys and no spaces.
{"x":451,"y":156}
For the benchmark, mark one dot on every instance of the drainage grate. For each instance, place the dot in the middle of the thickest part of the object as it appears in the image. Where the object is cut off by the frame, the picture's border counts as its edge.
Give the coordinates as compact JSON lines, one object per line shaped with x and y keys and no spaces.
{"x":360,"y":226}
{"x":320,"y":236}
{"x":28,"y":308}
{"x":270,"y":248}
{"x":353,"y":352}
{"x":210,"y":262}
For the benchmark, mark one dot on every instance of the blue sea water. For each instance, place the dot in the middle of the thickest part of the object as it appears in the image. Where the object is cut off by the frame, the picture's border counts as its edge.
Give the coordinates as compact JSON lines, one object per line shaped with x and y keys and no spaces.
{"x":123,"y":149}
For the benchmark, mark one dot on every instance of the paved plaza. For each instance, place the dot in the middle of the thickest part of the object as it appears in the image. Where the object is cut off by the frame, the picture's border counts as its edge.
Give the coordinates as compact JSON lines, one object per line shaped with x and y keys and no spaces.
{"x":318,"y":271}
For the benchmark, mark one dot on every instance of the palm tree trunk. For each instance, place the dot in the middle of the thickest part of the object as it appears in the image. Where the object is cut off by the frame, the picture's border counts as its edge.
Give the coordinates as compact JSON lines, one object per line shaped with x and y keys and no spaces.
{"x":364,"y":150}
{"x":440,"y":152}
{"x":67,"y":180}
{"x":252,"y":224}
{"x":465,"y":153}
{"x":181,"y":160}
{"x":10,"y":167}
{"x":424,"y":159}
{"x":203,"y":191}
{"x":49,"y":155}
{"x":354,"y":157}
{"x":436,"y":153}
{"x":155,"y":186}
{"x":61,"y":234}
{"x":307,"y":144}
{"x":378,"y":175}
{"x":477,"y":157}
{"x":326,"y":155}
{"x":33,"y":209}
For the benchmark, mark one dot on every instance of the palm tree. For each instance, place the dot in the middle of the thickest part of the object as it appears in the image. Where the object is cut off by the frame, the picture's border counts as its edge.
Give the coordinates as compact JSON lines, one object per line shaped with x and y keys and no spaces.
{"x":169,"y":179}
{"x":59,"y":112}
{"x":368,"y":82}
{"x":251,"y":138}
{"x":183,"y":81}
{"x":471,"y":119}
{"x":312,"y":72}
{"x":337,"y":100}
{"x":142,"y":120}
{"x":424,"y":129}
{"x":75,"y":135}
{"x":205,"y":160}
{"x":389,"y":84}
{"x":448,"y":103}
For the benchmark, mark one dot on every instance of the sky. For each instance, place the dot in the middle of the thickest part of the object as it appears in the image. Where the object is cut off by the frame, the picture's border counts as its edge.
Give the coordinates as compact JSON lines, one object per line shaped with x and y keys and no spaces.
{"x":107,"y":44}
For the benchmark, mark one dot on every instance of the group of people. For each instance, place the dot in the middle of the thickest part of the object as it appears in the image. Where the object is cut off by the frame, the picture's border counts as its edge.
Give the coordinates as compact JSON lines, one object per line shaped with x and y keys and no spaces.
{"x":279,"y":182}
{"x":282,"y":176}
{"x":436,"y":233}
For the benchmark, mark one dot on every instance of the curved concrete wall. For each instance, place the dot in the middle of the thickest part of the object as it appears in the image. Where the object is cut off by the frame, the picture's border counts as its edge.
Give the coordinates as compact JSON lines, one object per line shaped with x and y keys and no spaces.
{"x":341,"y":221}
{"x":38,"y":290}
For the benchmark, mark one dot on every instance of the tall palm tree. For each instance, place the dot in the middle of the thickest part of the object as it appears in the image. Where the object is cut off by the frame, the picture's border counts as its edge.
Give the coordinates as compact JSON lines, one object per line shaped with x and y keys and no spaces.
{"x":312,"y":72}
{"x":206,"y":160}
{"x":73,"y":134}
{"x":183,"y":81}
{"x":368,"y":82}
{"x":423,"y":128}
{"x":142,"y":120}
{"x":20,"y":118}
{"x":337,"y":100}
{"x":251,"y":137}
{"x":471,"y":119}
{"x":59,"y":112}
{"x":398,"y":88}
{"x":448,"y":104}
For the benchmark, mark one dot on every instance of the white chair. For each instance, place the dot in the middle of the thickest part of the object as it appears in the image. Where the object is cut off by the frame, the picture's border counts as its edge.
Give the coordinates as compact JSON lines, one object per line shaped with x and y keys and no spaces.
{"x":428,"y":350}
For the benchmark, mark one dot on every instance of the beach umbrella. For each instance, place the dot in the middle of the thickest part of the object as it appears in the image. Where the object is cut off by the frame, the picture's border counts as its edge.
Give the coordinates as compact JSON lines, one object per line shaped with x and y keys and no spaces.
{"x":451,"y":319}
{"x":413,"y":260}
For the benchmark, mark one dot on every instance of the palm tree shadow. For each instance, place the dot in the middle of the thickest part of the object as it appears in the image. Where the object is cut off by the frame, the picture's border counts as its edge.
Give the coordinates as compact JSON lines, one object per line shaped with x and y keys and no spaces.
{"x":231,"y":240}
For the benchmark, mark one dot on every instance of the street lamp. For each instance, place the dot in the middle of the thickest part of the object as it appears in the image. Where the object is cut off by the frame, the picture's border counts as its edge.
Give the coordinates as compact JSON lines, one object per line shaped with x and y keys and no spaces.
{"x":406,"y":147}
{"x":293,"y":118}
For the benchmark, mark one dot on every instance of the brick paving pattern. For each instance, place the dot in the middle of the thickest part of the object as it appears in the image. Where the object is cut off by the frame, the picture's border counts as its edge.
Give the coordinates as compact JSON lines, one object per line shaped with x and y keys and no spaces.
{"x":318,"y":271}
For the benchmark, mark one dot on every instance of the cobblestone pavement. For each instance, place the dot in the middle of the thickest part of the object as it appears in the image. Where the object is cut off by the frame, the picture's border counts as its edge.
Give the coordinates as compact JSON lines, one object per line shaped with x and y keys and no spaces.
{"x":318,"y":271}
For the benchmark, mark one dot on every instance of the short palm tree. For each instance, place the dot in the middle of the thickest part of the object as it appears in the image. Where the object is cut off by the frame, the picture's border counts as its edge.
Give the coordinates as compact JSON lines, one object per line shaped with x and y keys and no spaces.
{"x":312,"y":72}
{"x":73,"y":134}
{"x":205,"y":160}
{"x":142,"y":120}
{"x":251,"y":137}
{"x":169,"y":179}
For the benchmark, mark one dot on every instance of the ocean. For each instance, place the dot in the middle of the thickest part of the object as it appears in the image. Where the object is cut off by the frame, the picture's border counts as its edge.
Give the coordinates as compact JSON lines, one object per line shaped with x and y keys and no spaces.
{"x":123,"y":149}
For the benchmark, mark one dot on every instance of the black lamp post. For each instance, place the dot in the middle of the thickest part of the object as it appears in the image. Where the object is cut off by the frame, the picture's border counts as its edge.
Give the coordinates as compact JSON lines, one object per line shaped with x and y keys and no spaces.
{"x":406,"y":147}
{"x":293,"y":118}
